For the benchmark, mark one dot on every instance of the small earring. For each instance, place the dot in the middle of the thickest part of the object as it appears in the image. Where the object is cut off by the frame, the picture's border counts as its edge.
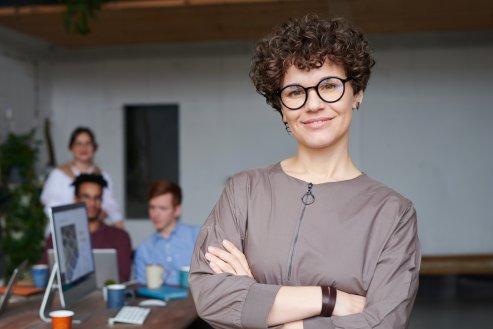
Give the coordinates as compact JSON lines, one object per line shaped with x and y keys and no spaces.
{"x":286,"y":126}
{"x":357,"y":106}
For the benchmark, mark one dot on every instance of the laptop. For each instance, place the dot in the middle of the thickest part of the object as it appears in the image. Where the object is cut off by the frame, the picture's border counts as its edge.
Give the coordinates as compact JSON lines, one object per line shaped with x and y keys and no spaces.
{"x":105,"y":263}
{"x":4,"y":300}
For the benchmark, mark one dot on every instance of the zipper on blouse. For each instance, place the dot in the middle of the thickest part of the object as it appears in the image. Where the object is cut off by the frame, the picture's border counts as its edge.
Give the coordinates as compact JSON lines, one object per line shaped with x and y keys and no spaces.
{"x":307,"y":199}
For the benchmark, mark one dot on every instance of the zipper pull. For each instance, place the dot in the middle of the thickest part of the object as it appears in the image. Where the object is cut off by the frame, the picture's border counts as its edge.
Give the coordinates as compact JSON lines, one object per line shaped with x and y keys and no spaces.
{"x":308,"y":198}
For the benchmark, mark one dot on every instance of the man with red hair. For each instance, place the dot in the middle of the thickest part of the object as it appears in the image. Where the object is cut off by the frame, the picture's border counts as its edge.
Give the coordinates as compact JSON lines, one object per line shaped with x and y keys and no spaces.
{"x":172,"y":244}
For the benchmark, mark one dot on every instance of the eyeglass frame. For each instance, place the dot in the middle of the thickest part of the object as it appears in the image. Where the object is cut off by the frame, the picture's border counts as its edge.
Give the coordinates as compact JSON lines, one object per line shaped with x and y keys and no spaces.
{"x":307,"y":89}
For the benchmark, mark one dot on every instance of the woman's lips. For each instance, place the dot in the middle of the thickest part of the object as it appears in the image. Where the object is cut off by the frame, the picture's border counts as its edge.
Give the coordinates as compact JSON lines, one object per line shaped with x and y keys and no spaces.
{"x":317,"y":122}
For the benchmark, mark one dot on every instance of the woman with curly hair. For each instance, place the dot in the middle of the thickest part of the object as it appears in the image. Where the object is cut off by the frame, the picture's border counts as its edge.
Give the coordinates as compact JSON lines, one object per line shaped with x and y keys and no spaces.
{"x":311,"y":241}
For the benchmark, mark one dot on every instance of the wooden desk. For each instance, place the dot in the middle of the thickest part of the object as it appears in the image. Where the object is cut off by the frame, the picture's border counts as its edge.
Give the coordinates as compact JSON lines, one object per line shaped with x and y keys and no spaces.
{"x":24,"y":314}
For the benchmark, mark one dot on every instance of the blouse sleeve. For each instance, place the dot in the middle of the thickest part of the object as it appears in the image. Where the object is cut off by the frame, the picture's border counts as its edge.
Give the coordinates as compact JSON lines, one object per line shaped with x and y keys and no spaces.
{"x":56,"y":190}
{"x":392,"y":291}
{"x":225,"y":300}
{"x":109,"y":203}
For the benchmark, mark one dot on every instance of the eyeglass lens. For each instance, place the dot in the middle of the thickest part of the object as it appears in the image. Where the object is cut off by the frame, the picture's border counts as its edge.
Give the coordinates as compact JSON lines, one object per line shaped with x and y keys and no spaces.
{"x":329,"y":90}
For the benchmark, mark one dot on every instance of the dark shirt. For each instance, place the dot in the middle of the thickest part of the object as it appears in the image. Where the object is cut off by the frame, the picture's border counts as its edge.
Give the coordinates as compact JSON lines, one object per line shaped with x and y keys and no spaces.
{"x":108,"y":237}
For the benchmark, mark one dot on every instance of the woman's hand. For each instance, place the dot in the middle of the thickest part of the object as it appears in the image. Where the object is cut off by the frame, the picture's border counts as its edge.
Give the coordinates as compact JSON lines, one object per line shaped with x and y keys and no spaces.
{"x":292,"y":325}
{"x":347,"y":304}
{"x":231,"y":260}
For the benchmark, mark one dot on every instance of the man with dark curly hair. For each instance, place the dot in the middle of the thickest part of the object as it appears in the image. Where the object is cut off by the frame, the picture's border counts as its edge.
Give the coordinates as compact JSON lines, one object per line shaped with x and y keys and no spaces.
{"x":88,"y":188}
{"x":311,"y":241}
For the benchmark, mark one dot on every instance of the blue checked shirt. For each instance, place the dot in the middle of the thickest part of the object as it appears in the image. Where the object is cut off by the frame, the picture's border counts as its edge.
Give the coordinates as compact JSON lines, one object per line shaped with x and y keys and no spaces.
{"x":171,"y":253}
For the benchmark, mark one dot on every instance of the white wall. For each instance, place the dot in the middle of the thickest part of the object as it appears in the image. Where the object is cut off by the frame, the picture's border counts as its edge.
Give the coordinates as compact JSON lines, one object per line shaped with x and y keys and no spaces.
{"x":25,"y":84}
{"x":224,"y":126}
{"x":424,"y":127}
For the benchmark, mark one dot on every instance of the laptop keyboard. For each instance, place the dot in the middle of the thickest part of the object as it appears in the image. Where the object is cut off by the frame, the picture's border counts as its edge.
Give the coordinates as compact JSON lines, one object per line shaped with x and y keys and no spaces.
{"x":130,"y":314}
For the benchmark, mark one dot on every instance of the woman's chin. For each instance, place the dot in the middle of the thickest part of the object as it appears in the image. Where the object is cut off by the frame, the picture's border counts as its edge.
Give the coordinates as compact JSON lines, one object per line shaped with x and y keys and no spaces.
{"x":318,"y":144}
{"x":83,"y":158}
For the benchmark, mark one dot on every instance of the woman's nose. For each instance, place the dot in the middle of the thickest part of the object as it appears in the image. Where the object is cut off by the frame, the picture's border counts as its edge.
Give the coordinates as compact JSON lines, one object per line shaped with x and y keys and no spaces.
{"x":313,"y":101}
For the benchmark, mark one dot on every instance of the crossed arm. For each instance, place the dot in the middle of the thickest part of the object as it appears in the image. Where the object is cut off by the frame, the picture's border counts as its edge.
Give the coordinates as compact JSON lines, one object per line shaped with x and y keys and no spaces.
{"x":292,"y":304}
{"x":227,"y":295}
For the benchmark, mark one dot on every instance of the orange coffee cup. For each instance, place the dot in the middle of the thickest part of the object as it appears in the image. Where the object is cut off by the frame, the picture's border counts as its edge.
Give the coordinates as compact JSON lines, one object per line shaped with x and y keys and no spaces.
{"x":61,"y":319}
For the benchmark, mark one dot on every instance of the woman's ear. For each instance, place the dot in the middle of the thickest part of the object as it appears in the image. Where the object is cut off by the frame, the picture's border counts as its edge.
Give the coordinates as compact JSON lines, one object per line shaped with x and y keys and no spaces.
{"x":358,"y":99}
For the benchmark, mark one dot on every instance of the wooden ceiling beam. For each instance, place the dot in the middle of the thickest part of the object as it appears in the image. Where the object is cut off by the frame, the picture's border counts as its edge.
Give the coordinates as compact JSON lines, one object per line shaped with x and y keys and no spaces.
{"x":241,"y":20}
{"x":128,"y":4}
{"x":161,"y":21}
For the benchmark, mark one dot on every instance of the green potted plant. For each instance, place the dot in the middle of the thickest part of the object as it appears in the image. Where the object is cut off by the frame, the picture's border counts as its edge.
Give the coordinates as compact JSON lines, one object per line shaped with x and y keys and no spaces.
{"x":22,"y":220}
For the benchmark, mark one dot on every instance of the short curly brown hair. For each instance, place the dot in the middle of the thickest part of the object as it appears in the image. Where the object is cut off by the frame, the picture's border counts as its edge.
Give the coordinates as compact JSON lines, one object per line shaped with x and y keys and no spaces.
{"x":307,"y":42}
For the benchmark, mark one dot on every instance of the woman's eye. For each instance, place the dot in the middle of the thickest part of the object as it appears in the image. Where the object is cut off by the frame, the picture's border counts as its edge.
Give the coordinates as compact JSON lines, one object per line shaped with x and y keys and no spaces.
{"x":330,"y":85}
{"x":295,"y":92}
{"x":327,"y":86}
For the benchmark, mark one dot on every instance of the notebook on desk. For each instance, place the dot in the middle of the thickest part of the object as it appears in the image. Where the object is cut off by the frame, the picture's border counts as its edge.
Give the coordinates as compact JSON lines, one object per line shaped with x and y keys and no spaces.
{"x":24,"y":291}
{"x":164,"y":293}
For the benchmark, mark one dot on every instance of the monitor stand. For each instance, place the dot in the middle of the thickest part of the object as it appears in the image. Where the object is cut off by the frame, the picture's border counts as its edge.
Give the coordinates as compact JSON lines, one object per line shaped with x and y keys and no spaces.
{"x":47,"y":302}
{"x":50,"y":291}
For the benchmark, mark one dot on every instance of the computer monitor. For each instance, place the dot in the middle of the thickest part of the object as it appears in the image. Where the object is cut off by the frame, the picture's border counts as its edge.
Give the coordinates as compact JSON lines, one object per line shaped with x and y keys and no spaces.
{"x":76,"y":272}
{"x":73,"y":274}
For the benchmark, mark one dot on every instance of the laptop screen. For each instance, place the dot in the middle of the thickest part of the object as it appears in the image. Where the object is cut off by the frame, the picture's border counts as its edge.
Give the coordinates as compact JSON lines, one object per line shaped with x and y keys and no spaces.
{"x":4,"y":300}
{"x":106,"y":264}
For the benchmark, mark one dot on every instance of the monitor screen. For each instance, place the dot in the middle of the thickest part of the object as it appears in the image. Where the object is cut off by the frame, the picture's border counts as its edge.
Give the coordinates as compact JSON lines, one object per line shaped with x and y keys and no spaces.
{"x":73,"y":252}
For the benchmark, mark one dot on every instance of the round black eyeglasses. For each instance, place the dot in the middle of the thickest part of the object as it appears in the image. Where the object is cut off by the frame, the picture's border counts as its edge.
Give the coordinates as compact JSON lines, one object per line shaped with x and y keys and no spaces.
{"x":329,"y":89}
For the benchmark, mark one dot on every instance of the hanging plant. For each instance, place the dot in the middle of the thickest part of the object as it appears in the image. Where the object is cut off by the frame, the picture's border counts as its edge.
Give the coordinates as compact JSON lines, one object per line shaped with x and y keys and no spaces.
{"x":78,"y":14}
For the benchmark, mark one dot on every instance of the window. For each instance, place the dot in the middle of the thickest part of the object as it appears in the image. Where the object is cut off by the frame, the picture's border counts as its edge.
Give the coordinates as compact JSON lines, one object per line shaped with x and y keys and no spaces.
{"x":151,"y":152}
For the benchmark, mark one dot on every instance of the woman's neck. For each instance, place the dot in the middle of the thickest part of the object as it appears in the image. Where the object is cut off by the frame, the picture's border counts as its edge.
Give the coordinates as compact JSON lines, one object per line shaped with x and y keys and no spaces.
{"x":321,"y":165}
{"x":83,"y":166}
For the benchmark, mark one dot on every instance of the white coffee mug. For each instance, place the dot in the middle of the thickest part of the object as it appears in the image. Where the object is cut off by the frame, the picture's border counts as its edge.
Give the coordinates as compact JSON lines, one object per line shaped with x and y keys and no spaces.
{"x":154,"y":274}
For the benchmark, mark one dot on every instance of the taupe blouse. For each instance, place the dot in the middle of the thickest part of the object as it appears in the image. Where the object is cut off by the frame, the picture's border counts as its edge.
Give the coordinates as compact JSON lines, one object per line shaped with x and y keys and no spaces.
{"x":358,"y":236}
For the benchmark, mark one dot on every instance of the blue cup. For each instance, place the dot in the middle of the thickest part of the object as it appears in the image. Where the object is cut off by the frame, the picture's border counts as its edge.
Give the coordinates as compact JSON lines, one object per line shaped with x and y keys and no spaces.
{"x":184,"y":273}
{"x":40,"y":275}
{"x":115,"y":295}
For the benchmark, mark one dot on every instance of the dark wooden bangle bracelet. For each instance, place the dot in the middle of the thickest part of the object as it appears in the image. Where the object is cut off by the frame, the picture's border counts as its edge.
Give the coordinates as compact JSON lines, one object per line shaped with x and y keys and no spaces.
{"x":329,"y":296}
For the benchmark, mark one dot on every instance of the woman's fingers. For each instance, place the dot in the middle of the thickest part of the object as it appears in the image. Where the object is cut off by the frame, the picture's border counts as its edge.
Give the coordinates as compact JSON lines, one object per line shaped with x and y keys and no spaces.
{"x":218,"y":265}
{"x":231,"y":261}
{"x":239,"y":256}
{"x":215,"y":268}
{"x":227,"y":258}
{"x":347,"y":304}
